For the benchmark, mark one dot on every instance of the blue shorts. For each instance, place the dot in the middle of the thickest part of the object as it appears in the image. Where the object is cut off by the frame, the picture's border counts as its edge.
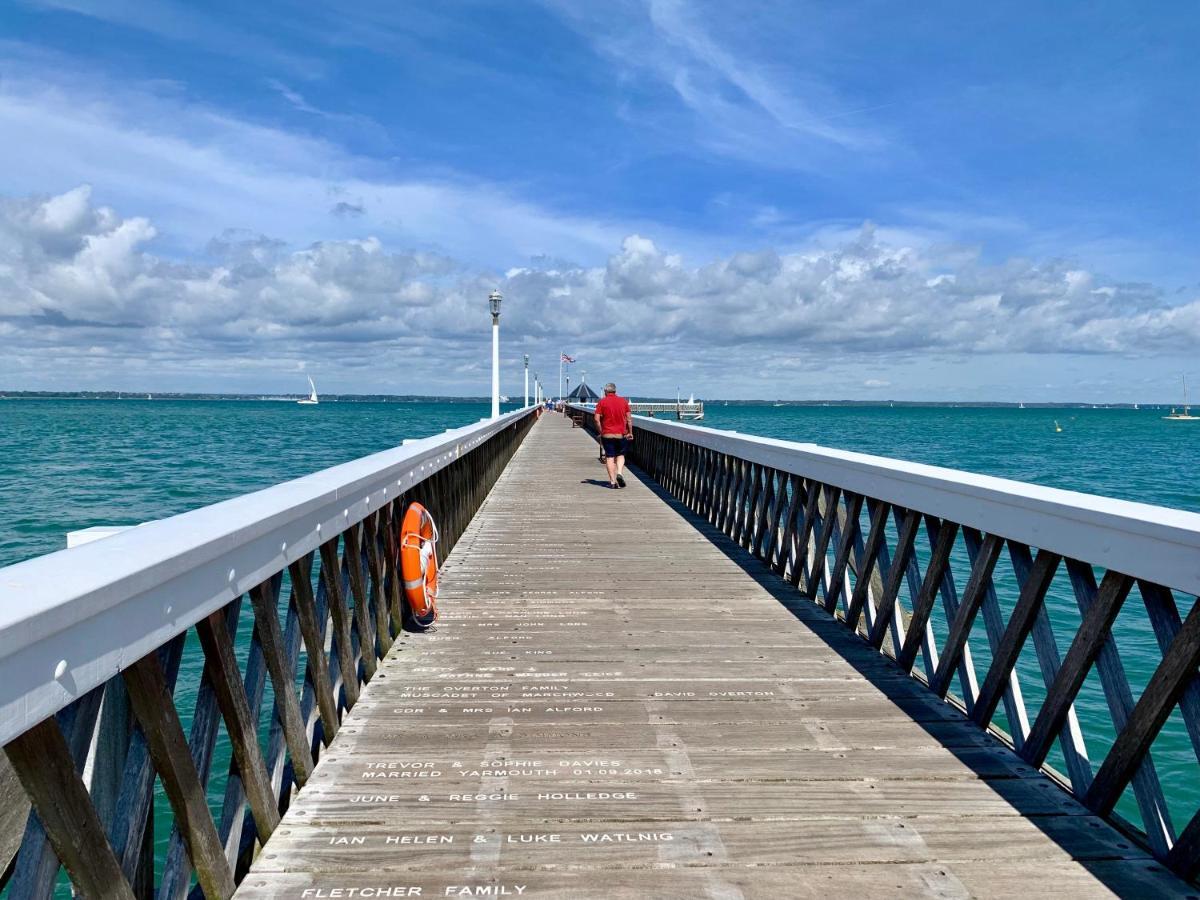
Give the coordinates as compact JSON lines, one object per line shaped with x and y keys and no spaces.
{"x":614,"y":447}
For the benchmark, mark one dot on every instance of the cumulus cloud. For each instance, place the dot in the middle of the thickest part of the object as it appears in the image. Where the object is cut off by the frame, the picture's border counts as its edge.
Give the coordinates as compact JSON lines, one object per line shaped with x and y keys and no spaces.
{"x":82,"y":282}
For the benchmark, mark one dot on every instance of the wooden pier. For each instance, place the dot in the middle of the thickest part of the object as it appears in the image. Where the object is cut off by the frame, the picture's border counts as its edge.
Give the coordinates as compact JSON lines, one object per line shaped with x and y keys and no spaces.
{"x":619,"y":701}
{"x":686,"y":409}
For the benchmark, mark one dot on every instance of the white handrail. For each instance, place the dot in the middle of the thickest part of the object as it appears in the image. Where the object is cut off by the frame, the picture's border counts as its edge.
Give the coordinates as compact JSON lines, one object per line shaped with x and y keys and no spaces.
{"x":1156,"y":543}
{"x":71,"y":620}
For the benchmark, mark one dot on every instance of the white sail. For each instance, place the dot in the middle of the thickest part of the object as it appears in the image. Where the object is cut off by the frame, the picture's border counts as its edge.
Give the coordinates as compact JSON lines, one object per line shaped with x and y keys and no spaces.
{"x":311,"y":399}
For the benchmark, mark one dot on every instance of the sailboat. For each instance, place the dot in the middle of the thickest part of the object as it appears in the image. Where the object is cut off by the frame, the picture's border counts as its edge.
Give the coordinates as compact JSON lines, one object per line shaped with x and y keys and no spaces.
{"x":311,"y":399}
{"x":1186,"y":415}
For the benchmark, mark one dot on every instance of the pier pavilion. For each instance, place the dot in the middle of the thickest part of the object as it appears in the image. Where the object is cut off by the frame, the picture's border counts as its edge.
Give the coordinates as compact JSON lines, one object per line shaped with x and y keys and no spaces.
{"x":764,"y":669}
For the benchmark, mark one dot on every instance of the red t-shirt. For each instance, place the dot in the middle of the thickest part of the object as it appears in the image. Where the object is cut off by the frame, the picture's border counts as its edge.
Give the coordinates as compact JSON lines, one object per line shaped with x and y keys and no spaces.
{"x":612,"y":411}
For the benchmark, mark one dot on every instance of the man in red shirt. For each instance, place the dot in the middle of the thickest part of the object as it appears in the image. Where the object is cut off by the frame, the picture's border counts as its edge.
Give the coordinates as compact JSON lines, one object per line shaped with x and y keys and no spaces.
{"x":614,"y":424}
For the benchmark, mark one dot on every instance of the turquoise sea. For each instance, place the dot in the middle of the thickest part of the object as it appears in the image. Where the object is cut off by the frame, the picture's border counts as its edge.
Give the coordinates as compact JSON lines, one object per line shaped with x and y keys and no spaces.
{"x":69,"y":464}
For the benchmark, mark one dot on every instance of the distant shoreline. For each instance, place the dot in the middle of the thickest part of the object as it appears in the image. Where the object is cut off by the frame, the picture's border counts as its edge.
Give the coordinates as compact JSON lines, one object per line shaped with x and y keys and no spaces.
{"x":136,"y":396}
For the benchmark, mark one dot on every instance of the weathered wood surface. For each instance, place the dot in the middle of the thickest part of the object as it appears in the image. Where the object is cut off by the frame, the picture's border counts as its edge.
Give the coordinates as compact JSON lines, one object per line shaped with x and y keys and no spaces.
{"x":618,"y":702}
{"x":42,"y":760}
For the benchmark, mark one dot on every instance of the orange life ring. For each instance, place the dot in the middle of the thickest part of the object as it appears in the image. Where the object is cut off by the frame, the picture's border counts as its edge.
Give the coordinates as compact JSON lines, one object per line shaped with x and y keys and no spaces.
{"x":418,"y":564}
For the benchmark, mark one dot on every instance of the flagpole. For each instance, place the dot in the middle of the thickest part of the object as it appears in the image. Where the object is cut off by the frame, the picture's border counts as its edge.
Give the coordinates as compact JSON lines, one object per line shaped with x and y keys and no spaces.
{"x":560,"y":357}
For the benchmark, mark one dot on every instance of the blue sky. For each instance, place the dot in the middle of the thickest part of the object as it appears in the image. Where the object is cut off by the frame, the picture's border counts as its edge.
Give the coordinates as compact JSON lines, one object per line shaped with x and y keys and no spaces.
{"x":852,"y":200}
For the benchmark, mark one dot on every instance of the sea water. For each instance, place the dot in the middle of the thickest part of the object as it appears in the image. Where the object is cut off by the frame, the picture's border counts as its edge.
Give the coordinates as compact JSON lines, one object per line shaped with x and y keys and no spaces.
{"x":71,"y":464}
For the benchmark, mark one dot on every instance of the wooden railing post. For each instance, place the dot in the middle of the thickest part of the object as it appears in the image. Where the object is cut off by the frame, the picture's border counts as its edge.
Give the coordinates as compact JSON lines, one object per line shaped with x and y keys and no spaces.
{"x":155,"y":711}
{"x":1172,"y":677}
{"x":314,"y":644}
{"x":43,"y":762}
{"x":270,"y":635}
{"x":331,"y":578}
{"x":866,"y":562}
{"x":935,"y":572}
{"x":226,"y":677}
{"x":895,"y":576}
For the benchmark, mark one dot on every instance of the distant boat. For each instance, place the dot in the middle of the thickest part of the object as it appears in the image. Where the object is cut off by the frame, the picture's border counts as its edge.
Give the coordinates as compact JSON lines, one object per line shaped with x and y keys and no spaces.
{"x":777,"y":404}
{"x":148,"y":397}
{"x":1135,"y":406}
{"x":504,"y":400}
{"x":1020,"y":406}
{"x":1057,"y":427}
{"x":1186,"y":415}
{"x":311,"y":399}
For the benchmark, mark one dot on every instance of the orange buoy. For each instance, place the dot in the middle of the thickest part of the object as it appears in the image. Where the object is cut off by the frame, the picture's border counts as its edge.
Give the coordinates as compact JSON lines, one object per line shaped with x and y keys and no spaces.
{"x":418,"y":565}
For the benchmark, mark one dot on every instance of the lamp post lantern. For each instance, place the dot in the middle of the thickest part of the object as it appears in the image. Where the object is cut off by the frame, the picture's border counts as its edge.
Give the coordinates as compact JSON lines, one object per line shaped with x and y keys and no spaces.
{"x":527,"y":381}
{"x":494,"y":299}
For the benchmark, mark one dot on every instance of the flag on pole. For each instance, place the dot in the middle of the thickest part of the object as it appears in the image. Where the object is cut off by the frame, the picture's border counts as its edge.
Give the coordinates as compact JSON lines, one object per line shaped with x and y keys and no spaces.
{"x":568,"y":359}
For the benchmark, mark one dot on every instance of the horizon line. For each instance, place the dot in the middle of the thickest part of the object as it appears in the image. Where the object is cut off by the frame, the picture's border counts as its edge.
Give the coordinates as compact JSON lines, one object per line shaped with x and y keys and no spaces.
{"x":472,"y":398}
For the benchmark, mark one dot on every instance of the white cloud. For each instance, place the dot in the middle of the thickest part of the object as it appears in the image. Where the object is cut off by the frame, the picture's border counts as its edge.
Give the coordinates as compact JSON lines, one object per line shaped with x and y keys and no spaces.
{"x":197,"y":171}
{"x":739,"y":104}
{"x":82,"y":296}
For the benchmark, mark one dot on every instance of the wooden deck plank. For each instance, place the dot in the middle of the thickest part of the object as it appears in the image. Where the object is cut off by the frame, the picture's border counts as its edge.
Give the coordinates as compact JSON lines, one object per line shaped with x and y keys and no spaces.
{"x":1084,"y":880}
{"x":617,"y":702}
{"x":804,"y":841}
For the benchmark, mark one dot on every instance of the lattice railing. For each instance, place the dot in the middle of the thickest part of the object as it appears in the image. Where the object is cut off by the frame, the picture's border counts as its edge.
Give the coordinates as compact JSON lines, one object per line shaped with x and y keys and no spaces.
{"x":102,"y":646}
{"x":1008,"y":598}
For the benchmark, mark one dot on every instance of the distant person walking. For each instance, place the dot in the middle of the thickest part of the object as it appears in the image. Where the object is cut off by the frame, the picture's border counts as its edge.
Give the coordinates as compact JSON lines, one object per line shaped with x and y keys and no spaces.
{"x":614,"y":423}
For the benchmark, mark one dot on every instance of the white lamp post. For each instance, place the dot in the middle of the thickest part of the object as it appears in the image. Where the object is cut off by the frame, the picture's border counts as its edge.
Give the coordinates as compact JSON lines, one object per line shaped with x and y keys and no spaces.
{"x":526,"y":381}
{"x":494,"y":299}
